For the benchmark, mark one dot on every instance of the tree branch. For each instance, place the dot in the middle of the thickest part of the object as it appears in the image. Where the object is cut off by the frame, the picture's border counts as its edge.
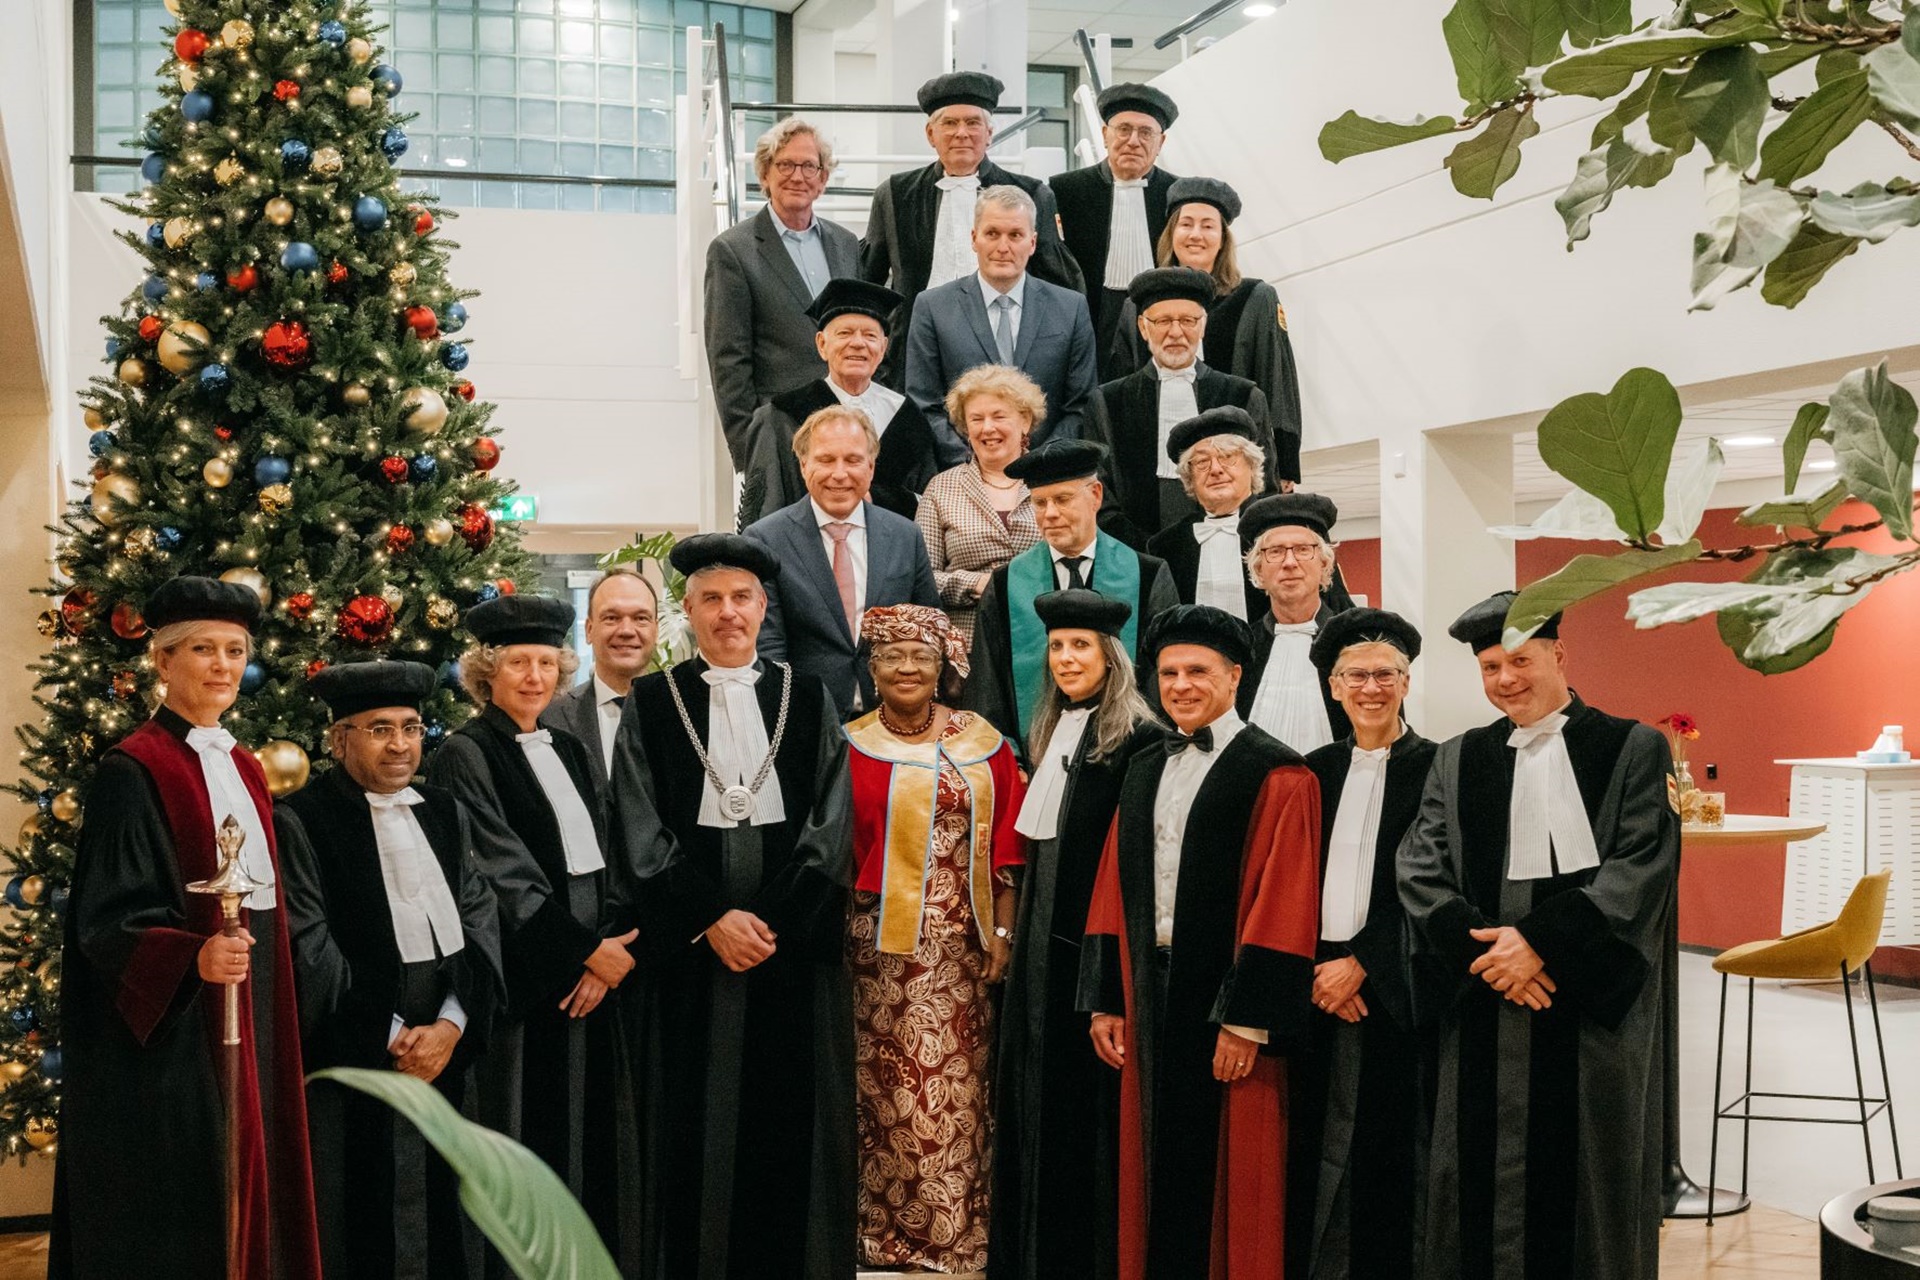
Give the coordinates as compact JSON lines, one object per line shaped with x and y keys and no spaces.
{"x":1900,"y":136}
{"x":1817,"y":542}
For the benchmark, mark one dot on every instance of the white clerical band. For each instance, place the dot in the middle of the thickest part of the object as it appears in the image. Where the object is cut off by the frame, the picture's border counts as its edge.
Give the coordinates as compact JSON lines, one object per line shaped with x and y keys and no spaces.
{"x":227,"y":794}
{"x":737,"y":745}
{"x":1347,"y":892}
{"x":577,"y":836}
{"x":1288,"y":704}
{"x":1040,"y":812}
{"x":1547,"y":823}
{"x":426,"y":924}
{"x":1221,"y":578}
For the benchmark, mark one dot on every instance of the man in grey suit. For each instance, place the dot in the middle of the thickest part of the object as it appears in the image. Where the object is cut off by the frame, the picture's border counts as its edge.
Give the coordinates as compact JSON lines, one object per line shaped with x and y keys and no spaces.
{"x":763,"y":275}
{"x":839,"y":555}
{"x":1000,"y":314}
{"x":623,"y":619}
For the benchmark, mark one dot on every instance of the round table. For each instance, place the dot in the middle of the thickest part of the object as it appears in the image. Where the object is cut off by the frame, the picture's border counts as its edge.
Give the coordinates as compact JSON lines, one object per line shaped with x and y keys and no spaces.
{"x":1749,"y":828}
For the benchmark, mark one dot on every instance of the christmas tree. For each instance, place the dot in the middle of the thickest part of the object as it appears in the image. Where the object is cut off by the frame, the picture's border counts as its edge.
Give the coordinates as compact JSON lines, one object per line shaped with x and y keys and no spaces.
{"x":285,"y":408}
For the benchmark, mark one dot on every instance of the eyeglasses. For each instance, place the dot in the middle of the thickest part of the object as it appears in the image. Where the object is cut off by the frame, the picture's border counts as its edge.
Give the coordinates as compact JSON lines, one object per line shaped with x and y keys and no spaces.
{"x":805,"y":168}
{"x":1300,"y":551}
{"x":901,"y":661}
{"x":1160,"y":324}
{"x":384,"y":733}
{"x":1384,"y":677}
{"x":1144,"y":132}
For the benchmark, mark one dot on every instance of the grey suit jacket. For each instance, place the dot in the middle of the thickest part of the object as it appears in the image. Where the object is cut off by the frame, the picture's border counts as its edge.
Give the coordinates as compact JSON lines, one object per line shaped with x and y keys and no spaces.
{"x":805,"y":625}
{"x":759,"y":339}
{"x":572,"y":711}
{"x":951,"y":333}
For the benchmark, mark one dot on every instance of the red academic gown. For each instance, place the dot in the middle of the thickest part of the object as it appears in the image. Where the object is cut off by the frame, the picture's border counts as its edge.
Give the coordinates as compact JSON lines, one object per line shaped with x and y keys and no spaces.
{"x":1246,"y":922}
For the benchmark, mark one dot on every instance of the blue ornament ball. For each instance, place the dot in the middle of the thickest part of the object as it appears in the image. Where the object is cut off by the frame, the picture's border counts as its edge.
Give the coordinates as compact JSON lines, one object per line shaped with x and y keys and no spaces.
{"x":421,"y":468}
{"x":253,"y":678}
{"x":153,"y":168}
{"x":393,"y":143}
{"x":52,"y":1064}
{"x":334,"y":32}
{"x":455,"y":318}
{"x":271,"y":470}
{"x":169,"y":538}
{"x":44,"y":801}
{"x":115,"y":348}
{"x":99,"y":442}
{"x":24,"y":1019}
{"x":369,"y":213}
{"x":388,"y":79}
{"x":206,"y":282}
{"x":154,"y":289}
{"x":436,"y":733}
{"x":156,"y":236}
{"x":196,"y":107}
{"x":151,"y":134}
{"x":214,"y":378}
{"x":487,"y":591}
{"x":295,"y":154}
{"x":454,"y":356}
{"x":300,"y":256}
{"x":14,"y":899}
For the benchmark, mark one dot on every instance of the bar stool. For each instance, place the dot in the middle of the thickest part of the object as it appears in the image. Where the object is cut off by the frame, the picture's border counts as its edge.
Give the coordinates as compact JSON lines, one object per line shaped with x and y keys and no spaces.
{"x":1844,"y":944}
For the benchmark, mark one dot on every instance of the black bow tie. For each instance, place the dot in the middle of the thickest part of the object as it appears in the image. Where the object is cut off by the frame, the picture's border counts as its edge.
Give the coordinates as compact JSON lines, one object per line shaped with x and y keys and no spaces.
{"x":1201,"y":738}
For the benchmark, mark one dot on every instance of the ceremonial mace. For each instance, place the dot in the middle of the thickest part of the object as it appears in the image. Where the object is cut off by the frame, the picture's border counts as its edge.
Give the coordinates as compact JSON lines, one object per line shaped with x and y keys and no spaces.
{"x":232,"y":883}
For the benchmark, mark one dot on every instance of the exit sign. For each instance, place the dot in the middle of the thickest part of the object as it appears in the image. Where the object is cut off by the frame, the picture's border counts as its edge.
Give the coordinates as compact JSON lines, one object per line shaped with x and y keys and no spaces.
{"x":520,"y":508}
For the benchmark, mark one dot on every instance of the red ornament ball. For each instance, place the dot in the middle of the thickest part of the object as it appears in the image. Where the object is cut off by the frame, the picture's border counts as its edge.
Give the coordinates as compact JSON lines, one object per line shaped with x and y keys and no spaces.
{"x":336,"y":272}
{"x":125,"y":685}
{"x":286,"y":90}
{"x":315,"y":667}
{"x":464,"y":390}
{"x":286,"y":345}
{"x":393,"y":470}
{"x":127,"y":622}
{"x":243,"y":279}
{"x":423,"y":322}
{"x":76,"y":608}
{"x":422,"y":221}
{"x":486,"y":454}
{"x":476,"y":527}
{"x":366,"y":620}
{"x":399,"y":539}
{"x":223,"y":434}
{"x":150,"y":328}
{"x":300,"y":605}
{"x":191,"y":45}
{"x":505,"y":586}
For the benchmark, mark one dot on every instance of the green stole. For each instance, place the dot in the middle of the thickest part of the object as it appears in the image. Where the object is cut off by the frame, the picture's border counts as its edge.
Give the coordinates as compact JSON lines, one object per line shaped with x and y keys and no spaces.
{"x":1116,"y":575}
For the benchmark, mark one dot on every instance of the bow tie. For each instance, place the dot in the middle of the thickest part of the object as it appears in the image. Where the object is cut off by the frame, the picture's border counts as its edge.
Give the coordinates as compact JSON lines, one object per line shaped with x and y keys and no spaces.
{"x":1188,"y":374}
{"x":1545,"y":727}
{"x":1378,"y":753}
{"x":1296,"y":628}
{"x":203,"y":740}
{"x":731,"y":675}
{"x":969,"y":183}
{"x":1089,"y":703}
{"x":1214,"y":526}
{"x":1201,"y":738}
{"x":1129,"y":184}
{"x":538,"y":735}
{"x":398,"y":800}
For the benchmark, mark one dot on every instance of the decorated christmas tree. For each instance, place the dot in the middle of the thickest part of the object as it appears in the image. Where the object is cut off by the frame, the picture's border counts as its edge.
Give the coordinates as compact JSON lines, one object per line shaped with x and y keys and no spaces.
{"x":285,"y":407}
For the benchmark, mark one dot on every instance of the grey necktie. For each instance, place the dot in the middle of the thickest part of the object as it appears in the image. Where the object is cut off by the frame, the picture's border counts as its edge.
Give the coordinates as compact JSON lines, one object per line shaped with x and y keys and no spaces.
{"x":1003,"y":328}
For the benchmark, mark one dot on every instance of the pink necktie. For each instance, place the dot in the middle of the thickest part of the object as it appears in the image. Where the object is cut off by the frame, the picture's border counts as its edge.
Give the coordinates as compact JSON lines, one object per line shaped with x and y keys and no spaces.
{"x":839,"y":531}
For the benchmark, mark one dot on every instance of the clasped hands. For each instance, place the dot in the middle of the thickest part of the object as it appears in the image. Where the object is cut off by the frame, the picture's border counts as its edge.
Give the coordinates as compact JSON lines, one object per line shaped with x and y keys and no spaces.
{"x":1513,"y":968}
{"x":607,"y":966}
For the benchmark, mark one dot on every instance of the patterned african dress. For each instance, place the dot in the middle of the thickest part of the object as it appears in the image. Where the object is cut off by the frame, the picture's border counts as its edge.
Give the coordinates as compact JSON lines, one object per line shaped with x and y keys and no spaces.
{"x":933,"y":838}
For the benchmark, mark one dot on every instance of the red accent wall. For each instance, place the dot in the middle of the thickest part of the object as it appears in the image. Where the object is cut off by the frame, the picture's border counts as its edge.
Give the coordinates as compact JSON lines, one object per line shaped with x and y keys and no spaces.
{"x":1360,"y":567}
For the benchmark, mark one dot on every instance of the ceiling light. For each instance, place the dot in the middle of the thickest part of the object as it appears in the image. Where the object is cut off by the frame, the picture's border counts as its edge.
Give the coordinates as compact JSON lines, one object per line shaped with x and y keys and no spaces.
{"x":457,"y":162}
{"x":1258,"y":11}
{"x":1747,"y":442}
{"x":1821,"y":464}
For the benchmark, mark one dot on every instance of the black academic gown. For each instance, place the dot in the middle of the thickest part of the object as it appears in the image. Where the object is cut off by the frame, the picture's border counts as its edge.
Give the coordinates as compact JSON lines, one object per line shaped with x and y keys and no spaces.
{"x":1085,"y":197}
{"x":1124,"y":415}
{"x":556,"y":1083}
{"x":1054,"y":1156}
{"x":1547,"y":1150}
{"x":1358,"y":1142}
{"x":748,"y":1077}
{"x":1177,"y":546}
{"x":389,"y":1206}
{"x":1263,"y":649}
{"x":900,"y":473}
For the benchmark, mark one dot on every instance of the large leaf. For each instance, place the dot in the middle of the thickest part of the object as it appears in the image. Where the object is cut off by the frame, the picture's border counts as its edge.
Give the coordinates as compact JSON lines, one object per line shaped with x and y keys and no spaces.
{"x":1803,"y":264}
{"x":1724,"y":99}
{"x":1632,"y":159}
{"x":1480,"y":63}
{"x":1578,"y":515}
{"x":1824,"y":119}
{"x":1873,"y":438}
{"x":1788,"y":629}
{"x":1591,"y":21}
{"x":1797,"y":513}
{"x":1809,"y":422}
{"x":1582,"y":578}
{"x":1869,"y":212}
{"x":1666,"y":118}
{"x":1354,"y":134}
{"x":1607,"y":69}
{"x":1893,"y":77}
{"x":1618,"y":446}
{"x":511,"y":1194}
{"x":1690,"y":482}
{"x":1672,"y":602}
{"x":1786,"y":57}
{"x":1483,"y":162}
{"x":1630,"y":108}
{"x":1749,"y":224}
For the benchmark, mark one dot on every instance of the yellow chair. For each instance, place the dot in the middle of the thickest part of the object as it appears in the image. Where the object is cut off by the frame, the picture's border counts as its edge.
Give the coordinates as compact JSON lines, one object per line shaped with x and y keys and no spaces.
{"x":1843,"y":945}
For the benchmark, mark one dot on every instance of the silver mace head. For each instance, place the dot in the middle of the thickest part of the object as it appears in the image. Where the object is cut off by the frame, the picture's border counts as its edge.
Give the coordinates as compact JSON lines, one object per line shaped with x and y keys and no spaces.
{"x":231,"y":882}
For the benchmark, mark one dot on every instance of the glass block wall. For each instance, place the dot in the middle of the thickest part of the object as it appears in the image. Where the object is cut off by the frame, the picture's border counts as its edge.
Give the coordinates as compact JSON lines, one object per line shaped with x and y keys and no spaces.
{"x":582,"y":88}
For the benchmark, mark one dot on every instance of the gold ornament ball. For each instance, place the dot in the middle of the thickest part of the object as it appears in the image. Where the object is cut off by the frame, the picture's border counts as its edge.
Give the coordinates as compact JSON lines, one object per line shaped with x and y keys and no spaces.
{"x":66,"y":805}
{"x":94,"y":419}
{"x":228,"y":171}
{"x":189,"y":78}
{"x":439,"y":533}
{"x":237,"y":34}
{"x":276,"y":498}
{"x":403,"y":274}
{"x":285,"y":765}
{"x":251,"y":578}
{"x":31,"y":828}
{"x":327,"y":162}
{"x":177,"y":231}
{"x":42,"y":1135}
{"x":183,"y":346}
{"x":392,"y":595}
{"x":442,"y":613}
{"x":173,"y":7}
{"x":359,"y":50}
{"x":142,"y":542}
{"x":356,"y":395}
{"x":218,"y":473}
{"x":31,"y":889}
{"x":133,"y":372}
{"x":115,"y":496}
{"x":48,"y":623}
{"x":423,"y":410}
{"x":279,"y":211}
{"x":360,"y":97}
{"x":10,"y":1072}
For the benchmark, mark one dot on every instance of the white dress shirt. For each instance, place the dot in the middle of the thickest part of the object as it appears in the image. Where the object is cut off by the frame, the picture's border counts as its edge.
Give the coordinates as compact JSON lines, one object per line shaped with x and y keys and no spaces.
{"x":609,"y":711}
{"x":227,"y":794}
{"x":1129,"y":247}
{"x":1347,"y":892}
{"x":877,"y":402}
{"x":1288,"y":704}
{"x":856,"y":553}
{"x":1177,"y":404}
{"x":1060,"y":581}
{"x":953,"y":253}
{"x":1548,"y":831}
{"x":989,"y":293}
{"x":1040,"y":812}
{"x":577,"y":838}
{"x":426,"y":923}
{"x":1222,"y":574}
{"x":737,"y":745}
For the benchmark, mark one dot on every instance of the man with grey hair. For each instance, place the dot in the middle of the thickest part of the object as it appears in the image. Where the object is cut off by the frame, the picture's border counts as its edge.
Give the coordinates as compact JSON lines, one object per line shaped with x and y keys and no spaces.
{"x":999,"y":314}
{"x":917,"y":233}
{"x":1290,"y":558}
{"x":763,"y":274}
{"x":1221,"y":467}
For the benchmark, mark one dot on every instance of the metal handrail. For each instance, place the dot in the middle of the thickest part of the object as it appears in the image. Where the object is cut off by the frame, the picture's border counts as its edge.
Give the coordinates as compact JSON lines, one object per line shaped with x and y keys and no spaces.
{"x":465,"y":175}
{"x":849,"y":108}
{"x":728,"y":144}
{"x":1194,"y":22}
{"x":1039,"y":115}
{"x":1086,"y":55}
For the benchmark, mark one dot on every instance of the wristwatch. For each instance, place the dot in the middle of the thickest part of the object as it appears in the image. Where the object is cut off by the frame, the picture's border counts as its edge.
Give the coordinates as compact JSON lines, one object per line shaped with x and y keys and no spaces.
{"x":1001,"y":931}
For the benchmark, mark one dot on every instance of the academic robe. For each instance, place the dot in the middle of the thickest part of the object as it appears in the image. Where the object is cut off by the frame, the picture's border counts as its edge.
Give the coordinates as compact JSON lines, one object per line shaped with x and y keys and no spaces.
{"x":140,"y":1185}
{"x":1181,"y":550}
{"x":1055,"y":1164}
{"x":1547,"y":1155}
{"x":1085,"y":197}
{"x":905,"y":463}
{"x":1358,"y":1105}
{"x":1203,"y":1165}
{"x":1262,"y":627}
{"x":1009,"y":653}
{"x":897,"y":250}
{"x":751,"y":1164}
{"x":1124,"y":415}
{"x":389,"y":1205}
{"x":556,"y":1083}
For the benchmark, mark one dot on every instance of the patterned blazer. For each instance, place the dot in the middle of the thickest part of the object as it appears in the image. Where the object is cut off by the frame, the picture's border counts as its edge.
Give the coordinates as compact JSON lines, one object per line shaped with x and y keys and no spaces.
{"x":965,"y":539}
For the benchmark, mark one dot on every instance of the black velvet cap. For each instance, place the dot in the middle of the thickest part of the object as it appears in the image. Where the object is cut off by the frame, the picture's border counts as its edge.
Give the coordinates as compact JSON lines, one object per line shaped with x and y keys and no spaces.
{"x":1482,"y":626}
{"x":1056,"y":461}
{"x":520,"y":619}
{"x":724,"y":551}
{"x":1362,"y":626}
{"x":1207,"y":191}
{"x":1164,"y":284}
{"x":1078,"y":610}
{"x":845,"y":295}
{"x":961,"y":89}
{"x":1143,"y":98}
{"x":1200,"y":624}
{"x":190,"y":598}
{"x":349,"y":688}
{"x":1222,"y":420}
{"x":1308,"y":510}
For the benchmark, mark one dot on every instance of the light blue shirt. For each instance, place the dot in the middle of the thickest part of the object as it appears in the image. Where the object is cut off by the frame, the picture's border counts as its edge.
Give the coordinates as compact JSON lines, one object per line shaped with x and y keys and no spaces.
{"x":808,"y":249}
